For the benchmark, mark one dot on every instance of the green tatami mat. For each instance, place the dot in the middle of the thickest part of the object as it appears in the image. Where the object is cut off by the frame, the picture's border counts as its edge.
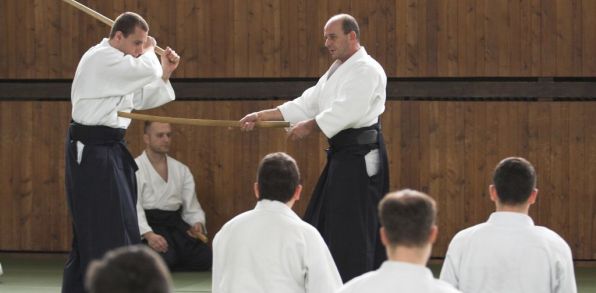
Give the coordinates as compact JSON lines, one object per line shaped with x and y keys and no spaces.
{"x":42,"y":273}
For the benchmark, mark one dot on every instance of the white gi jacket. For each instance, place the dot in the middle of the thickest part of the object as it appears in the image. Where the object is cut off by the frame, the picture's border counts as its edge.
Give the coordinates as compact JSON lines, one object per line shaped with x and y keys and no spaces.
{"x":509,"y":254}
{"x":270,"y":249}
{"x":108,"y":81}
{"x":396,"y":276}
{"x":349,"y":95}
{"x":155,"y":193}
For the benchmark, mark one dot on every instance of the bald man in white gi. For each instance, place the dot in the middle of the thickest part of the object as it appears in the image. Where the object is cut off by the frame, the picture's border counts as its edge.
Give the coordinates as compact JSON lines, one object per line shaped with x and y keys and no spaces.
{"x":508,"y":253}
{"x":345,"y":105}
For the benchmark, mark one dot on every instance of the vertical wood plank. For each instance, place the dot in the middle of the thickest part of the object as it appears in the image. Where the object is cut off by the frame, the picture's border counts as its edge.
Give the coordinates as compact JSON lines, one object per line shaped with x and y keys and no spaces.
{"x":588,"y":40}
{"x":548,"y":38}
{"x":564,"y":38}
{"x":241,"y":38}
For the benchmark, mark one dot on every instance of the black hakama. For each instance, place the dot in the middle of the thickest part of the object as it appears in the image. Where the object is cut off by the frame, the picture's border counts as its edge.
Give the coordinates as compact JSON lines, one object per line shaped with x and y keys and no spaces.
{"x":184,"y":253}
{"x":102,"y":195}
{"x":344,"y":203}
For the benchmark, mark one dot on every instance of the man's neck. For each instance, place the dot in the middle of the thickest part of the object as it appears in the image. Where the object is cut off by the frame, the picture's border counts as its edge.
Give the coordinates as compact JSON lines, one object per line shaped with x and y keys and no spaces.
{"x":112,"y":43}
{"x":154,"y":157}
{"x":521,"y":209}
{"x":413,"y":255}
{"x":355,"y":49}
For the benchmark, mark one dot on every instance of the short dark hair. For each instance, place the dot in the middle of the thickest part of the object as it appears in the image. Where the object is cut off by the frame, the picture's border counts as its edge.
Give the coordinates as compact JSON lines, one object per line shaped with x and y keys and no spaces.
{"x":278,"y":176}
{"x":129,"y":269}
{"x":514,"y":179}
{"x":127,"y":22}
{"x":146,"y":126}
{"x":349,"y":24}
{"x":408,"y":217}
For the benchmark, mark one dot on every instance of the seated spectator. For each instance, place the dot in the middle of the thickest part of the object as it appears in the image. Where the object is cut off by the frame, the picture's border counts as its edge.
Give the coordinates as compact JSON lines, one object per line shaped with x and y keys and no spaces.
{"x":270,"y":249}
{"x":129,"y":269}
{"x":170,"y":217}
{"x":408,"y":231}
{"x":509,"y":253}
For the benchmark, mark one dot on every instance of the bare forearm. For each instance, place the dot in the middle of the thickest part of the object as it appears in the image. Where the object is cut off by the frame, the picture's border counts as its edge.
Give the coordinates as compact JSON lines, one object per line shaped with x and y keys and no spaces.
{"x":270,"y":115}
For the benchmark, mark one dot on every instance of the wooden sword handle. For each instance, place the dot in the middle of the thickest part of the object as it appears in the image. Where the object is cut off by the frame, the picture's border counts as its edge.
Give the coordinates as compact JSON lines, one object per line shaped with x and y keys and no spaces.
{"x":102,"y":18}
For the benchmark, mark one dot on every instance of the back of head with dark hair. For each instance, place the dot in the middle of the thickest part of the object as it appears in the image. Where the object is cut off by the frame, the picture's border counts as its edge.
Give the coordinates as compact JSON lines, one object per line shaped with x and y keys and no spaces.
{"x":129,"y":269}
{"x":514,"y":179}
{"x":408,"y":217}
{"x":277,"y":176}
{"x":127,"y":22}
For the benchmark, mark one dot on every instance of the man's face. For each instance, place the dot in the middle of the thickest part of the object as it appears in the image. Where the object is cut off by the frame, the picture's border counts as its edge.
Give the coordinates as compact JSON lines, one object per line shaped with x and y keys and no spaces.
{"x":336,"y":41}
{"x":133,"y":44}
{"x":158,"y":137}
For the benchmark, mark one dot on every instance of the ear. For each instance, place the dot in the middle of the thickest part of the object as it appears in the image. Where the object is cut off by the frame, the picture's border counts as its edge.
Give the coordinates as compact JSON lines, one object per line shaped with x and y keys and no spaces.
{"x":146,"y":138}
{"x":118,"y":36}
{"x":384,"y":238}
{"x":352,"y":35}
{"x":533,"y":196}
{"x":256,"y":190}
{"x":432,"y":237}
{"x":492,"y":191}
{"x":297,"y":192}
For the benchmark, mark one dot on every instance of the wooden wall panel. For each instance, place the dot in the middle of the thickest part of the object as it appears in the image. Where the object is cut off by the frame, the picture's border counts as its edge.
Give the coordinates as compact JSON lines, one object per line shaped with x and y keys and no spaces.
{"x":445,"y":148}
{"x":283,"y":38}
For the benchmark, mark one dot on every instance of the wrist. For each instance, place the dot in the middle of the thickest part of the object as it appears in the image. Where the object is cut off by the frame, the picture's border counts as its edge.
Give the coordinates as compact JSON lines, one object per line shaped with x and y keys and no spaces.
{"x":313,"y":124}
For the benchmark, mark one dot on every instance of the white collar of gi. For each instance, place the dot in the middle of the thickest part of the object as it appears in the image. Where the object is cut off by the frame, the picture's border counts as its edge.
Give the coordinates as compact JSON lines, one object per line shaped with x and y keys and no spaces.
{"x":336,"y":65}
{"x":275,"y":206}
{"x":510,"y":219}
{"x":357,"y":55}
{"x":400,"y":266}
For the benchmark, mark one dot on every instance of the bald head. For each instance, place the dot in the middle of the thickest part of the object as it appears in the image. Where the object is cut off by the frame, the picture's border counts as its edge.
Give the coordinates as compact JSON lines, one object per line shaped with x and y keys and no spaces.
{"x":347,"y":22}
{"x":341,"y":36}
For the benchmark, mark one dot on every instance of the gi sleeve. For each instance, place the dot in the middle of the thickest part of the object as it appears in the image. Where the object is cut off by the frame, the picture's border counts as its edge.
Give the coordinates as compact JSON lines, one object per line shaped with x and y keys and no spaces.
{"x":143,"y":224}
{"x":302,"y":108}
{"x":565,"y":276}
{"x":450,"y":269}
{"x":322,"y":275}
{"x":109,"y":74}
{"x":191,"y":208}
{"x":218,"y":261}
{"x":153,"y":95}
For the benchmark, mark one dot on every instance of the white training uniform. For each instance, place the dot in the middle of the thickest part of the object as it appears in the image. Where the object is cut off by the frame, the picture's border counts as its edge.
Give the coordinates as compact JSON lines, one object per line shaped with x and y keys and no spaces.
{"x":342,"y":99}
{"x":509,"y":254}
{"x":108,"y":81}
{"x":270,"y":249}
{"x":155,"y":193}
{"x":396,"y":276}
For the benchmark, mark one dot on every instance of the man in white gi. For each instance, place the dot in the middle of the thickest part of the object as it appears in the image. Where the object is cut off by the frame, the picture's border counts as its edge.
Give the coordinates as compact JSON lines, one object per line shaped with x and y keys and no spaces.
{"x":408,"y":231}
{"x":345,"y":106}
{"x":118,"y":74}
{"x":170,"y":216}
{"x":270,"y":249}
{"x":509,"y":253}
